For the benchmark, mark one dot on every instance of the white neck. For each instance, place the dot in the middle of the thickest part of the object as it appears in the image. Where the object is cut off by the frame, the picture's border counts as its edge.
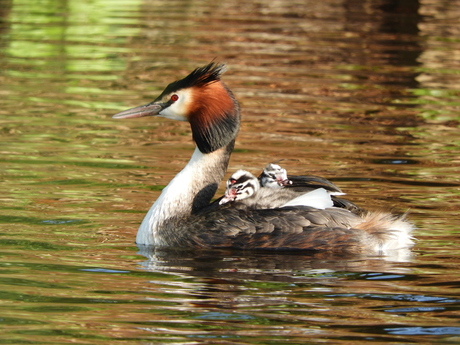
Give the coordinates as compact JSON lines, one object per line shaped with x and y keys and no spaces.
{"x":188,"y":191}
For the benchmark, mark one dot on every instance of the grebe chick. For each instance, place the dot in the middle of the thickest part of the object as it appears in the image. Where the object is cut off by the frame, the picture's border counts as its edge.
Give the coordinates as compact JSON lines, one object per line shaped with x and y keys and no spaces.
{"x":240,"y":186}
{"x":274,"y":176}
{"x":181,"y":218}
{"x":244,"y":189}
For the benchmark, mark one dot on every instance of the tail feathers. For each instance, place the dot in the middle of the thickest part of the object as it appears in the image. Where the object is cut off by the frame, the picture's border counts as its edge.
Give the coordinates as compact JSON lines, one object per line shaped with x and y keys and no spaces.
{"x":388,"y":231}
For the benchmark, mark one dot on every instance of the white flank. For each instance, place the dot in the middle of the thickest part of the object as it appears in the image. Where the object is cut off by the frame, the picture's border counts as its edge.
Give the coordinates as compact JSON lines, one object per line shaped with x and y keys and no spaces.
{"x":318,"y":198}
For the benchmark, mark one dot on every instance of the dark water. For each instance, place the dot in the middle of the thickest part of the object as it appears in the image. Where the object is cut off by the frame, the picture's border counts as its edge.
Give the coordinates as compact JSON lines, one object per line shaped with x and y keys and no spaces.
{"x":365,"y":93}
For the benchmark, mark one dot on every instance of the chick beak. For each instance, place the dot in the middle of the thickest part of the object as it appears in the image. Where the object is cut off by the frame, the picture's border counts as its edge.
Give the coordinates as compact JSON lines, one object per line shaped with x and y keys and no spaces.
{"x":150,"y":109}
{"x":283,"y":183}
{"x":229,"y":196}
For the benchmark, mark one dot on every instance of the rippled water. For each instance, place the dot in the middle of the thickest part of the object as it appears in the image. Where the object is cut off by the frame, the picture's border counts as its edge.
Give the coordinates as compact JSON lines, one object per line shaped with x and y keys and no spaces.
{"x":364,"y":93}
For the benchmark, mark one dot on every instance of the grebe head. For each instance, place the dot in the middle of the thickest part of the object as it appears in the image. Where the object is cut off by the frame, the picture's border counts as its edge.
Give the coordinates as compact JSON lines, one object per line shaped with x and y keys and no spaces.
{"x":274,"y":176}
{"x":241,"y":185}
{"x":203,"y":100}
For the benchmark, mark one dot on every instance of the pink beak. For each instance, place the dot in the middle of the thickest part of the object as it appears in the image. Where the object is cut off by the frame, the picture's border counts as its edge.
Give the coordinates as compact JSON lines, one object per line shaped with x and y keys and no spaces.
{"x":229,"y":196}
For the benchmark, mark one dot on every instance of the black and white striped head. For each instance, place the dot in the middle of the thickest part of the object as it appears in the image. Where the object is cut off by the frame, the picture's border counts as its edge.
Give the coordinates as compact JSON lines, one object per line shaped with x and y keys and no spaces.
{"x":241,"y":185}
{"x":274,"y":176}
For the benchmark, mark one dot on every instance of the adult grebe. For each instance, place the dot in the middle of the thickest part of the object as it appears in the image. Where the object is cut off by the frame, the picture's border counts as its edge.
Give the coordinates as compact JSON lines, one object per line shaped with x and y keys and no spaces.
{"x":181,"y":216}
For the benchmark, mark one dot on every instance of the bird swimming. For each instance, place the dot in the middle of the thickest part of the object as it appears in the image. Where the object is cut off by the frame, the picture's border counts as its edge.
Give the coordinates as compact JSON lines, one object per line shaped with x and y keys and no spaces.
{"x":181,"y":217}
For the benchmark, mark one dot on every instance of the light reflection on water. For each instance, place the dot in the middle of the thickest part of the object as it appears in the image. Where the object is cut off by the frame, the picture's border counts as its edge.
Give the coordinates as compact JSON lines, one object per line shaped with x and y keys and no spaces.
{"x":364,"y":94}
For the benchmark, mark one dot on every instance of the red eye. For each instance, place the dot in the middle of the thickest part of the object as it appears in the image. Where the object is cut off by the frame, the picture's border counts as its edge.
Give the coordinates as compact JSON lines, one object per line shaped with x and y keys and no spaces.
{"x":174,"y":98}
{"x":232,"y":181}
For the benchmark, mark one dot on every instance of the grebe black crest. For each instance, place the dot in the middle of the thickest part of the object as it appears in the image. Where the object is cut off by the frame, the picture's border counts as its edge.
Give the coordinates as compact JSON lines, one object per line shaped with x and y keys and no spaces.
{"x":182,"y":217}
{"x":201,"y":99}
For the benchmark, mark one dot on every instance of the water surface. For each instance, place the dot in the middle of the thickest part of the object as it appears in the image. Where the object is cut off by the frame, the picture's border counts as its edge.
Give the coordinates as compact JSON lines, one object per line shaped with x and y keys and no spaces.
{"x":363,"y":93}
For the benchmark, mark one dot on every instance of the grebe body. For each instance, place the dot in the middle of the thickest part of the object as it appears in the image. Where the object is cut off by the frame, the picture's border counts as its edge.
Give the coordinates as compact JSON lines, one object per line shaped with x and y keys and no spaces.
{"x":182,"y":216}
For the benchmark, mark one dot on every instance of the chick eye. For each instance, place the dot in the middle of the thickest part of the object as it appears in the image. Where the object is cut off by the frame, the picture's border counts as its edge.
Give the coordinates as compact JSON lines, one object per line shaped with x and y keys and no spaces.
{"x":174,"y":97}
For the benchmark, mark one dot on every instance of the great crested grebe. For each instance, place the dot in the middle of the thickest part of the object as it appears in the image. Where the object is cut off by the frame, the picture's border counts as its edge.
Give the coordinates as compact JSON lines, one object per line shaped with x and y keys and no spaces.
{"x":240,"y":186}
{"x":246,"y":190}
{"x":274,"y":176}
{"x":181,"y":216}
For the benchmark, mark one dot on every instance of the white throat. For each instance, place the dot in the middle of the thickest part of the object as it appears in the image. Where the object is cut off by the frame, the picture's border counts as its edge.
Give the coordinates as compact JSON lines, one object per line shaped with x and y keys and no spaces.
{"x":176,"y":200}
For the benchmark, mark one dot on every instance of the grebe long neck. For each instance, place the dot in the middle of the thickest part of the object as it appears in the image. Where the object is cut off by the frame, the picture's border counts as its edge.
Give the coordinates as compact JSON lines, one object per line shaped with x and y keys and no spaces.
{"x":212,"y":111}
{"x":189,"y":191}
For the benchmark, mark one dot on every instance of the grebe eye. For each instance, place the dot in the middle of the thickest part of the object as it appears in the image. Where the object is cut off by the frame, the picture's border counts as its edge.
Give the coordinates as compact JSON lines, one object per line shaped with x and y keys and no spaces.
{"x":232,"y":181}
{"x":174,"y":98}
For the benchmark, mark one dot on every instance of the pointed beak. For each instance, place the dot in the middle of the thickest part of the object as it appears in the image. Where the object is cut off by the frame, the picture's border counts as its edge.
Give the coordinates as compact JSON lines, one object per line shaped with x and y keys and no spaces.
{"x":150,"y":109}
{"x":229,"y":196}
{"x":284,"y":182}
